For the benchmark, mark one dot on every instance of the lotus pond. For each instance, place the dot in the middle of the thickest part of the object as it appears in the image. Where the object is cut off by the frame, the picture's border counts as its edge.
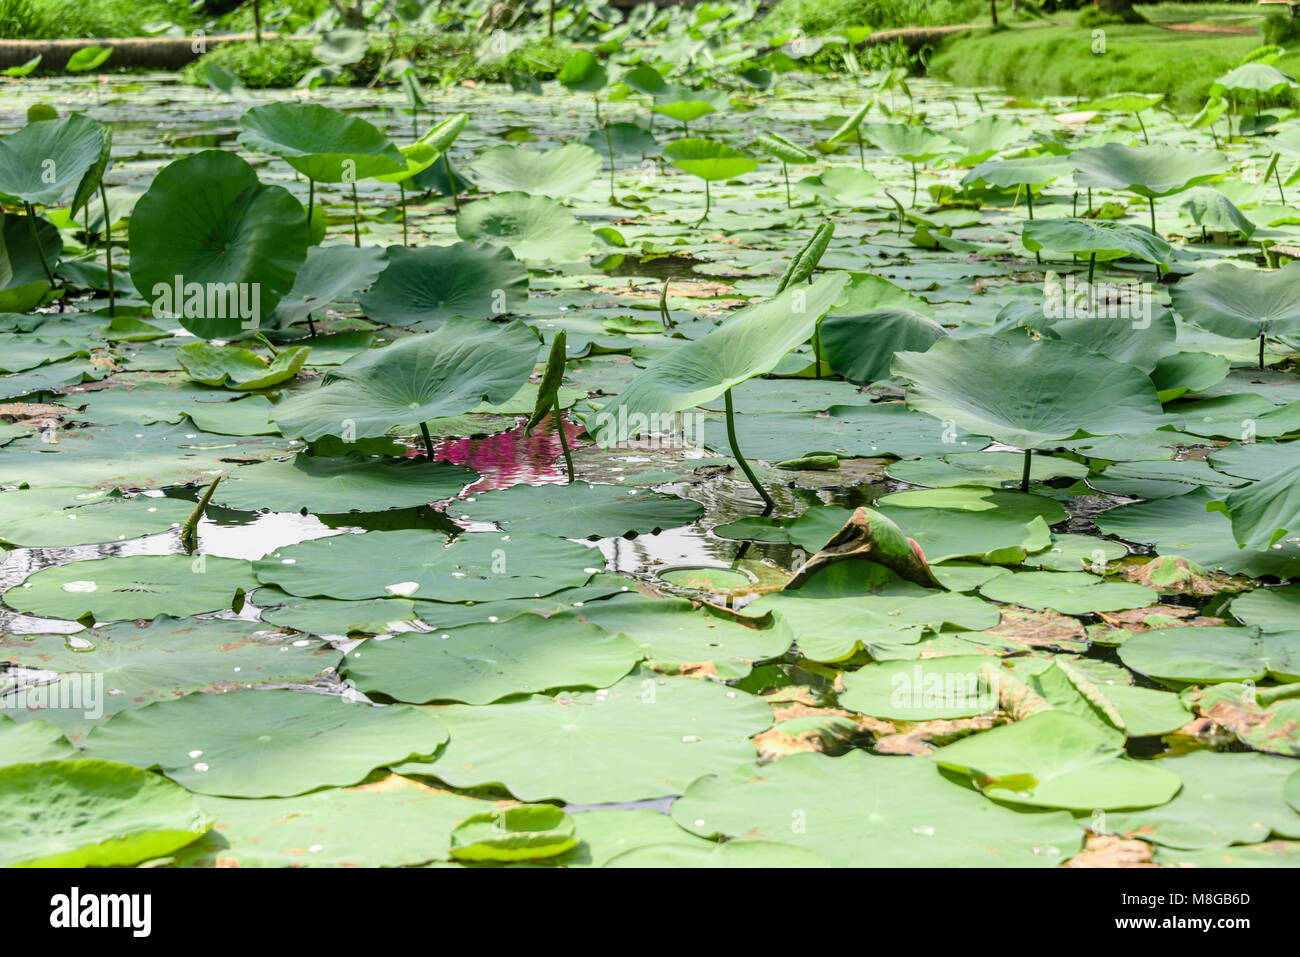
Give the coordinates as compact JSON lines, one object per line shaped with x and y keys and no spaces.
{"x":858,"y":472}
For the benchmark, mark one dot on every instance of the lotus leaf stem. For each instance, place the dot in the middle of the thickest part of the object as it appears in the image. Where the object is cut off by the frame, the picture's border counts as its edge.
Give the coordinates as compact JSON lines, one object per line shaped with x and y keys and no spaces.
{"x":740,"y":459}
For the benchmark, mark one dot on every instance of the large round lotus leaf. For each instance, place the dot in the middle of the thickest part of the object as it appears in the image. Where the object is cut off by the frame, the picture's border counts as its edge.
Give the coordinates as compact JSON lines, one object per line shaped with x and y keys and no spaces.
{"x":1102,"y":238}
{"x":535,"y":228}
{"x":419,"y":564}
{"x":388,"y":823}
{"x":987,"y":135}
{"x":434,"y":283}
{"x":482,"y":663}
{"x":266,"y":743}
{"x":1056,"y":759}
{"x":1207,"y":655}
{"x":1272,"y":609}
{"x":139,"y":664}
{"x":862,"y":810}
{"x":949,"y":687}
{"x":647,"y":736}
{"x":1022,"y":171}
{"x":861,"y":347}
{"x":1241,"y":303}
{"x":322,"y":144}
{"x":1255,"y":460}
{"x":761,"y":854}
{"x":751,"y":342}
{"x":328,"y":274}
{"x":676,"y":636}
{"x":1009,"y":503}
{"x":708,"y":159}
{"x":582,"y":72}
{"x":887,"y":428}
{"x":1225,"y":799}
{"x":831,"y":618}
{"x":235,"y":243}
{"x":32,"y":741}
{"x":625,"y":139}
{"x":1212,"y":211}
{"x":1146,"y":170}
{"x":558,"y":172}
{"x":231,"y":367}
{"x":1253,"y":77}
{"x":907,"y":140}
{"x":1181,"y":526}
{"x":86,"y":813}
{"x":44,"y":163}
{"x":1117,"y":337}
{"x":991,"y":469}
{"x":578,"y":510}
{"x":52,"y":517}
{"x":1070,"y":593}
{"x":1264,"y":512}
{"x":342,"y":483}
{"x":1026,"y":393}
{"x":605,"y":834}
{"x":327,"y":616}
{"x":1146,"y":711}
{"x":135,"y":586}
{"x":446,"y":372}
{"x":947,"y":533}
{"x":843,"y":186}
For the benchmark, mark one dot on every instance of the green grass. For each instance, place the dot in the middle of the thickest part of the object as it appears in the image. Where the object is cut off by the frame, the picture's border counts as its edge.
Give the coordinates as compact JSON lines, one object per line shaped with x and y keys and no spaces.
{"x":816,"y":17}
{"x":1058,"y":61}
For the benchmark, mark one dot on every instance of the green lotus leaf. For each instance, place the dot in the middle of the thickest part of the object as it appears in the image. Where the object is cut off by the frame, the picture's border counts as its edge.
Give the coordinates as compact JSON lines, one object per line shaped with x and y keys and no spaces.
{"x":751,"y":342}
{"x":1106,"y":240}
{"x":1028,"y":393}
{"x":87,"y":59}
{"x":1272,"y":609}
{"x":524,"y":832}
{"x":708,"y":159}
{"x":781,"y":148}
{"x":843,"y":186}
{"x":1253,"y":77}
{"x":1212,"y":655}
{"x":1022,"y":171}
{"x":559,"y":172}
{"x":861,"y":347}
{"x":53,"y":517}
{"x":428,"y":149}
{"x":139,"y":586}
{"x":23,"y":282}
{"x":231,"y":367}
{"x":328,"y":274}
{"x":954,"y":686}
{"x":53,"y":162}
{"x":916,"y":144}
{"x":861,"y":809}
{"x":1058,"y":760}
{"x":987,"y":135}
{"x":447,"y":372}
{"x":1265,"y":511}
{"x":91,"y":813}
{"x":578,"y":510}
{"x":624,"y":139}
{"x":582,"y":73}
{"x":420,"y":564}
{"x":536,"y":228}
{"x":323,"y":144}
{"x":32,"y":741}
{"x":1070,"y":593}
{"x":342,"y":483}
{"x":488,"y":661}
{"x":1150,"y":171}
{"x":1241,"y":303}
{"x":758,"y":854}
{"x":1211,"y":210}
{"x":214,"y":248}
{"x":429,"y":285}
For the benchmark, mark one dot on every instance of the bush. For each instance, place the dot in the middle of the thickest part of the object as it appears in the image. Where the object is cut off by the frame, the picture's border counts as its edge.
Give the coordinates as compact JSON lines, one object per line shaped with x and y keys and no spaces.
{"x":1280,"y":30}
{"x":273,"y":63}
{"x":1095,"y":17}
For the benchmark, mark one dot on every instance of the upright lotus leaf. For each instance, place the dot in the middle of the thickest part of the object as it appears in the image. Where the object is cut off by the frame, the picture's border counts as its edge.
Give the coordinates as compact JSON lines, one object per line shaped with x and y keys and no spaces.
{"x":1242,"y":303}
{"x":709,"y":160}
{"x":1264,"y":512}
{"x":749,"y":343}
{"x":1133,"y":103}
{"x":804,"y":262}
{"x":843,"y":186}
{"x":985,"y":136}
{"x":323,"y":144}
{"x":1149,"y":171}
{"x":685,"y":104}
{"x":1028,"y":393}
{"x":1102,"y":240}
{"x":525,"y":832}
{"x":1253,"y":78}
{"x":429,"y":285}
{"x":535,"y":228}
{"x":863,"y":809}
{"x":861,"y":346}
{"x":256,"y":744}
{"x":559,"y":172}
{"x":1059,"y":760}
{"x":425,"y":151}
{"x":46,"y":163}
{"x":328,"y":274}
{"x":91,"y":813}
{"x":548,"y":397}
{"x":446,"y":372}
{"x":87,"y":58}
{"x":582,"y":73}
{"x":231,"y":367}
{"x":916,"y":144}
{"x":1212,"y":211}
{"x":213,"y":247}
{"x":782,"y":149}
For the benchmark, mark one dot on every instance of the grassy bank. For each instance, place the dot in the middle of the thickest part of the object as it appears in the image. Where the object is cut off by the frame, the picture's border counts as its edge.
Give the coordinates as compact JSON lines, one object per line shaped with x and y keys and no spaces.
{"x":1058,"y":61}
